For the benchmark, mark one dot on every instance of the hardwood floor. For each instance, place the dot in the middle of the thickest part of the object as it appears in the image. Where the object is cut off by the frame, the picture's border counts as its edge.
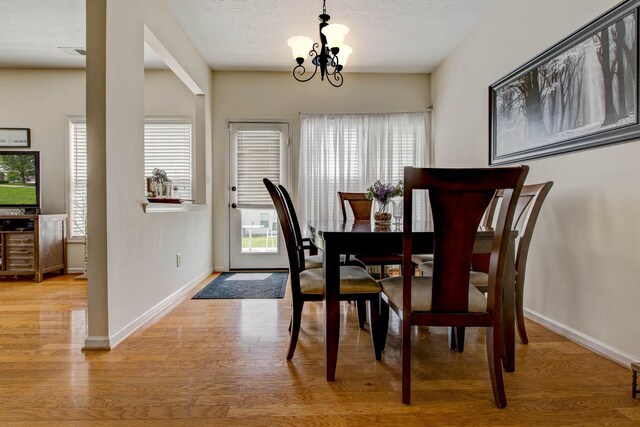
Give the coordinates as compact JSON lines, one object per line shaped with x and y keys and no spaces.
{"x":222,"y":362}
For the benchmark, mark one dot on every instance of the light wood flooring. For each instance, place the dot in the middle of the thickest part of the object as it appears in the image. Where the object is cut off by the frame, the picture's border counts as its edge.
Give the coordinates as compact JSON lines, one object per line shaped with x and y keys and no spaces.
{"x":222,"y":362}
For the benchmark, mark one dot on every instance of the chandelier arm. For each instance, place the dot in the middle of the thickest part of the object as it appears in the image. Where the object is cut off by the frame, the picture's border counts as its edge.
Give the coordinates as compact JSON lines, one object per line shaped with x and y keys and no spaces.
{"x":337,"y":77}
{"x":299,"y":69}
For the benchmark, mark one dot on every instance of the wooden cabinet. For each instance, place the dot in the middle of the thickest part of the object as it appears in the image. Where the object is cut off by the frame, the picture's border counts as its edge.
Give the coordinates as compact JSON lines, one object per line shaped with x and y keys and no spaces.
{"x":32,"y":245}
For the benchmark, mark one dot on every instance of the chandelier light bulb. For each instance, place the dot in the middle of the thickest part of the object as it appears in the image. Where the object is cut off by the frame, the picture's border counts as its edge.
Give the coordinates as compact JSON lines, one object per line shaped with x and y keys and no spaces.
{"x":300,"y":46}
{"x":345,"y":51}
{"x":335,"y":34}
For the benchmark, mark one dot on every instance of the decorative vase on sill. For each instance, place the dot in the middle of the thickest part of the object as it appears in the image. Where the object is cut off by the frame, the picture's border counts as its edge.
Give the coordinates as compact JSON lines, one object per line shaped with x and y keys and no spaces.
{"x":382,"y":194}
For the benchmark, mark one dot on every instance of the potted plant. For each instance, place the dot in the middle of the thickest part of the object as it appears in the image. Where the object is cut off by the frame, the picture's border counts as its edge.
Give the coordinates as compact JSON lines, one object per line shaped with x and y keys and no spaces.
{"x":382,"y":193}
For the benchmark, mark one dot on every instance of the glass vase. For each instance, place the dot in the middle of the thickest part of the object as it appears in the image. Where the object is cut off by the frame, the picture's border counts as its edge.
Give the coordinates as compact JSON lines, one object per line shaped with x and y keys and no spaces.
{"x":381,"y":214}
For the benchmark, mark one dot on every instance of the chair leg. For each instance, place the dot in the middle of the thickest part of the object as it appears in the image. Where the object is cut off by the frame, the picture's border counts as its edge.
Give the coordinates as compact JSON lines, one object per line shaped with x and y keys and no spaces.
{"x":384,"y":324}
{"x":522,"y":332}
{"x":406,"y":358}
{"x":362,"y":312}
{"x":494,"y":356}
{"x":296,"y":318}
{"x":456,"y":338}
{"x":374,"y":326}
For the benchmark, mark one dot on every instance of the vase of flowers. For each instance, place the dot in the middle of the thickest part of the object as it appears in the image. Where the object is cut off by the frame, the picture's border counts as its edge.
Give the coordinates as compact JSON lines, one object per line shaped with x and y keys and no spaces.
{"x":161,"y":185}
{"x":382,"y":193}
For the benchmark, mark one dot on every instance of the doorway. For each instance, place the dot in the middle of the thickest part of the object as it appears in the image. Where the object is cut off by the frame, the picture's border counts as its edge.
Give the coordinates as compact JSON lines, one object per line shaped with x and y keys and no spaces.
{"x":257,"y":151}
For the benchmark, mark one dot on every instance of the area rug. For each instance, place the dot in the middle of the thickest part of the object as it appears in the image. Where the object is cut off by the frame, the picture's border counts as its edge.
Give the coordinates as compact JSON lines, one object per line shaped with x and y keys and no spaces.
{"x":261,"y":285}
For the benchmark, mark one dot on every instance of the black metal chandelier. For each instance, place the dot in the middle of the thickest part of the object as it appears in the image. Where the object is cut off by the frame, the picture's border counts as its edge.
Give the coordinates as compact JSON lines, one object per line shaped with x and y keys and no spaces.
{"x":326,"y":59}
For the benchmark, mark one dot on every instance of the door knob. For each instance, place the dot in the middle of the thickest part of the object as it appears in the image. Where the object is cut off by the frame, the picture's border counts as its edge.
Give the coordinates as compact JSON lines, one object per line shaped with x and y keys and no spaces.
{"x":233,"y":205}
{"x":233,"y":188}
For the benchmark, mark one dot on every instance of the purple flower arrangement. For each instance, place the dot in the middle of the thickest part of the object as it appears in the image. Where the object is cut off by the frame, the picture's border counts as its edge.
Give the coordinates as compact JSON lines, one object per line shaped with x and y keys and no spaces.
{"x":383,"y":193}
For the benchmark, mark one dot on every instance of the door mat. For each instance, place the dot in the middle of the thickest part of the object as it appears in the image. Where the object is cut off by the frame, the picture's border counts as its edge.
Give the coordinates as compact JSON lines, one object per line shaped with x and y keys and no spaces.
{"x":245,"y":285}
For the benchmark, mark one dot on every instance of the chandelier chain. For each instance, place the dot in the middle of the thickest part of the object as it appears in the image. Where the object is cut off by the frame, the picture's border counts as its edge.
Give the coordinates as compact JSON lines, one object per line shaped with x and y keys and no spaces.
{"x":324,"y":7}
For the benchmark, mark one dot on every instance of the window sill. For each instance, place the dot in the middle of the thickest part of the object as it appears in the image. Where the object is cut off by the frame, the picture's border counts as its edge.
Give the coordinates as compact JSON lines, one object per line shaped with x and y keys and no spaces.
{"x":171,"y":207}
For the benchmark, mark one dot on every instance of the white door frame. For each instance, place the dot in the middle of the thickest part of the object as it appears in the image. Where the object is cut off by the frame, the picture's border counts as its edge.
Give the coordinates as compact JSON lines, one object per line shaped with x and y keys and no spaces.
{"x":286,"y":181}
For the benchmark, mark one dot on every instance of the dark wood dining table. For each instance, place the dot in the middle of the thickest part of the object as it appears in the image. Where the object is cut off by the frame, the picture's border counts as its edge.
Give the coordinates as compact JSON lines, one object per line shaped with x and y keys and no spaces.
{"x":334,"y":238}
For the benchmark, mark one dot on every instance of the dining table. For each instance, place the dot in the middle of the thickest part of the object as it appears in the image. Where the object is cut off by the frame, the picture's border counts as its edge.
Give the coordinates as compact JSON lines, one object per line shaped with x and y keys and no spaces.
{"x":338,"y":237}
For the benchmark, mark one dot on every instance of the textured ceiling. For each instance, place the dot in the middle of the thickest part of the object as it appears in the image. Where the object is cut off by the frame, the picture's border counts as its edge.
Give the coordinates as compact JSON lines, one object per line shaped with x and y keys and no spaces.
{"x":398,"y":36}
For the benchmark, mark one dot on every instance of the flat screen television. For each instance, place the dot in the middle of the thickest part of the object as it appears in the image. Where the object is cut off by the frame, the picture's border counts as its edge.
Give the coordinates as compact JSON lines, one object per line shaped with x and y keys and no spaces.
{"x":20,"y":180}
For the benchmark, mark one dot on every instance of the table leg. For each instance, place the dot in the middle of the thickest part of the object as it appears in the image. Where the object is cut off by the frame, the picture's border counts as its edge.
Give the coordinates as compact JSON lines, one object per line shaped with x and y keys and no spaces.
{"x":508,"y":313}
{"x":331,"y":264}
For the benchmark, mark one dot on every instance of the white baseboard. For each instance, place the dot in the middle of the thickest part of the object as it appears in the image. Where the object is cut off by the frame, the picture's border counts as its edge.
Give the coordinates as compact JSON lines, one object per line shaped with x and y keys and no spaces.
{"x":75,"y":270}
{"x":614,"y":354}
{"x":220,"y":269}
{"x":108,"y":343}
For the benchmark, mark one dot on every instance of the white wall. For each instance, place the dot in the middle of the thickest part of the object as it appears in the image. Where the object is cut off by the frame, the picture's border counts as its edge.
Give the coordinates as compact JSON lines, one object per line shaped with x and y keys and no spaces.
{"x":133,"y":272}
{"x":583,"y":278}
{"x":277,"y":96}
{"x":42,"y":100}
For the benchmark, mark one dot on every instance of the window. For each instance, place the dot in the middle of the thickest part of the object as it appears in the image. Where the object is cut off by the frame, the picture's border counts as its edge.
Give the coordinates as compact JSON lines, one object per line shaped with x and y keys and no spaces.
{"x":167,"y":145}
{"x":349,"y":152}
{"x":78,"y":177}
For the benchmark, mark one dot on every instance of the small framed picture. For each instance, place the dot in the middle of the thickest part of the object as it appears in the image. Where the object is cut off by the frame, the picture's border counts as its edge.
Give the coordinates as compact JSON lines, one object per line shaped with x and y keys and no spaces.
{"x":15,"y":137}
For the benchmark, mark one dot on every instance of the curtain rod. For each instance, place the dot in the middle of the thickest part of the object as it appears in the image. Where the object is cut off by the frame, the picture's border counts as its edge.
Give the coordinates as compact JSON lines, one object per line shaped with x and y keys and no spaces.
{"x":428,"y":110}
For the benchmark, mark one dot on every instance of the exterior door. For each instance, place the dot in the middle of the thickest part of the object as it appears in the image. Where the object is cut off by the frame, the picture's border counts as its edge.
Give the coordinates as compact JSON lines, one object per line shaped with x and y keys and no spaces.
{"x":257,"y":151}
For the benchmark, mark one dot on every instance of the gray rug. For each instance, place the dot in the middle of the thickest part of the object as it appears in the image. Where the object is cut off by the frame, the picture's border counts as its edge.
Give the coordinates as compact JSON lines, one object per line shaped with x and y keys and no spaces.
{"x":241,"y":285}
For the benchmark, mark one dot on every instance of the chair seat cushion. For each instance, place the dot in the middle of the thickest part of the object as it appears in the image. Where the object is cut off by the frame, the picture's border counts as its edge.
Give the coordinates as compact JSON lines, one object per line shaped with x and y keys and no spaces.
{"x":421,"y":288}
{"x":315,"y":261}
{"x":426,"y":268}
{"x":420,"y":258}
{"x":353,"y":280}
{"x":479,"y":280}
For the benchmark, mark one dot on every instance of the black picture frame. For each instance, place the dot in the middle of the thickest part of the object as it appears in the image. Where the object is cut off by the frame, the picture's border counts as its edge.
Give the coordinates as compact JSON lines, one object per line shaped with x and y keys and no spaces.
{"x":15,"y":138}
{"x":560,"y":102}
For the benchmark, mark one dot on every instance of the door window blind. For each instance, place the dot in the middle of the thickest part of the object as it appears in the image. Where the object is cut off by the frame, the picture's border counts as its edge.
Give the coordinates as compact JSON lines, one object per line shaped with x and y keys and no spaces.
{"x":258,"y":157}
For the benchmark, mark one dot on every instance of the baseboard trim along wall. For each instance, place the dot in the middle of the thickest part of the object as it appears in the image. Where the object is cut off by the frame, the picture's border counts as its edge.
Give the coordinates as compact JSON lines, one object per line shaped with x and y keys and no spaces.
{"x":614,"y":354}
{"x":109,"y":343}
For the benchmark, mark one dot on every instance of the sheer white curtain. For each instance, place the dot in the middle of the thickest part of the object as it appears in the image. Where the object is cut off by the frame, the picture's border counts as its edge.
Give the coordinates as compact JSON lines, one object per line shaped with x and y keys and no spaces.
{"x":349,"y":152}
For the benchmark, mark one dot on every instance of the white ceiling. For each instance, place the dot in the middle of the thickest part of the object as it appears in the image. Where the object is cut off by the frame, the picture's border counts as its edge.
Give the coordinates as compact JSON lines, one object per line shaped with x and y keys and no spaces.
{"x":394,"y":36}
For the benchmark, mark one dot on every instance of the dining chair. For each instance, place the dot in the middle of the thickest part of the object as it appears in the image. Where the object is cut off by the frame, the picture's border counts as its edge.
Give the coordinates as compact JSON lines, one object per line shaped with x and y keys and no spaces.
{"x":307,"y":284}
{"x":361,"y":209}
{"x":315,"y":260}
{"x":458,"y":200}
{"x":525,"y":218}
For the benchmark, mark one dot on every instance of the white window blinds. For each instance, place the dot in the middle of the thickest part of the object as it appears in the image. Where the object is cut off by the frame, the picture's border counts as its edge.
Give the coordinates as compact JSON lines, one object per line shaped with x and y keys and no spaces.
{"x":78,"y":176}
{"x":258,"y":157}
{"x":167,"y":146}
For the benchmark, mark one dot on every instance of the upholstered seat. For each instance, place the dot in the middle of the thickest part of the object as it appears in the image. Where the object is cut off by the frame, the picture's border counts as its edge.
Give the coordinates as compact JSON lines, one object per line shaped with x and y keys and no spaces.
{"x":420,"y":258}
{"x":353,"y":280}
{"x":315,"y":261}
{"x":421,"y":293}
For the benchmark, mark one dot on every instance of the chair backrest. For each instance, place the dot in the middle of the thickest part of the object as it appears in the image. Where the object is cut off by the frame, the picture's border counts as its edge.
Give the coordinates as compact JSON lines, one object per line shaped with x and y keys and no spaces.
{"x":459,"y":199}
{"x":291,"y":243}
{"x":524,"y":220}
{"x":359,"y":204}
{"x":297,"y":232}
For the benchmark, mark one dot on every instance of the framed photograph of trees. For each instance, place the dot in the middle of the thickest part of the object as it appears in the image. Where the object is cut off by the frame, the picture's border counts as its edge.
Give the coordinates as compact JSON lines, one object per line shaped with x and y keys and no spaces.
{"x":15,"y":137}
{"x":581,"y":93}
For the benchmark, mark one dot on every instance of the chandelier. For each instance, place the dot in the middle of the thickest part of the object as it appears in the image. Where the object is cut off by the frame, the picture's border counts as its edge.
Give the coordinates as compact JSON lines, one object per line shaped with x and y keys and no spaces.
{"x":326,"y":59}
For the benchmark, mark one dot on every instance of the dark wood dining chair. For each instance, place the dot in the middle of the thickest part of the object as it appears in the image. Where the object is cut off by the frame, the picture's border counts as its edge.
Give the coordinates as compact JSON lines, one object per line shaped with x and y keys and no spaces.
{"x":308,"y":284}
{"x":458,"y":199}
{"x":525,"y":218}
{"x":361,"y":209}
